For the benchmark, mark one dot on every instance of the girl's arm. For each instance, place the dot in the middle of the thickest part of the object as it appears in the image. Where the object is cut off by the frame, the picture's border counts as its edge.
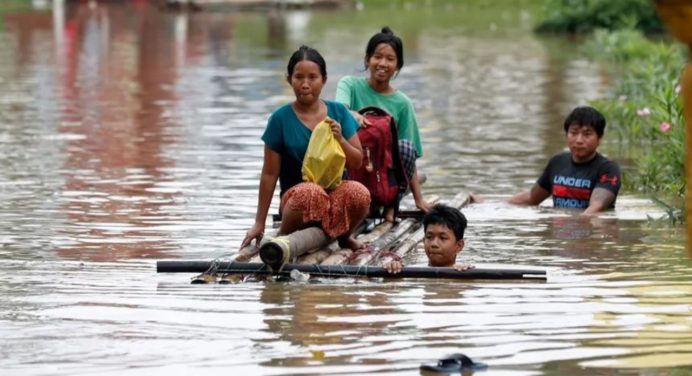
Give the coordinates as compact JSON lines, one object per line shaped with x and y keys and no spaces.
{"x":270,"y":174}
{"x":414,"y":184}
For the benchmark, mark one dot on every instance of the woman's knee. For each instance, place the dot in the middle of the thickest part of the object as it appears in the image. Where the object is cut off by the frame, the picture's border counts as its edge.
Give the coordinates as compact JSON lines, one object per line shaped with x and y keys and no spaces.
{"x":357,"y":200}
{"x":299,"y":195}
{"x":353,"y":191}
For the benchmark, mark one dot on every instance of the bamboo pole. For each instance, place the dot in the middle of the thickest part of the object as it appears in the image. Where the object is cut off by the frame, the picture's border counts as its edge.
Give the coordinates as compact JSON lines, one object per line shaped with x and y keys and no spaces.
{"x":177,"y":266}
{"x":279,"y":250}
{"x":341,"y":256}
{"x":375,"y":240}
{"x":389,"y":239}
{"x":320,"y":255}
{"x":677,"y":15}
{"x":383,"y":242}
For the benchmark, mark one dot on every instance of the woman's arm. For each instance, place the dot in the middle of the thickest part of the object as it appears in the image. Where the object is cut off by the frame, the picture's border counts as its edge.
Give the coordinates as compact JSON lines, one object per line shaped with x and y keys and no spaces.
{"x":353,"y":151}
{"x":351,"y":147}
{"x":270,"y":174}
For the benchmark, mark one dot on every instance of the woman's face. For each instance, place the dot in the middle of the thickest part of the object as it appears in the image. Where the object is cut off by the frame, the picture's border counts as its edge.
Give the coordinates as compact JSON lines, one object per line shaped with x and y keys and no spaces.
{"x":307,"y":82}
{"x":383,"y":63}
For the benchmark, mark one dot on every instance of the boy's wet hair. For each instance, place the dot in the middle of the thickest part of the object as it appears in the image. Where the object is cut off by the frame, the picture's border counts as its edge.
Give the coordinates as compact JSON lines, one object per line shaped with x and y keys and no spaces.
{"x":586,"y":116}
{"x":385,"y":36}
{"x":306,"y":53}
{"x":441,"y":214}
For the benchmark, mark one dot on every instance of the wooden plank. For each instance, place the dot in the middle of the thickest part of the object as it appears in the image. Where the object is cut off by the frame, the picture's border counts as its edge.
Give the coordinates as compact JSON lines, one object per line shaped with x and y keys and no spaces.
{"x":411,"y":242}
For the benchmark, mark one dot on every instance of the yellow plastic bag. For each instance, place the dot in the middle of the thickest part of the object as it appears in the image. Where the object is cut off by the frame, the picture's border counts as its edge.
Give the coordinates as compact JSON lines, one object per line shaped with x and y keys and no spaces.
{"x":324,"y":160}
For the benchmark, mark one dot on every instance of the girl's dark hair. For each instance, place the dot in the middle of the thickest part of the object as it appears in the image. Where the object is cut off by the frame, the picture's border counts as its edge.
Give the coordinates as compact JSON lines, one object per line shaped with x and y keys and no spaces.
{"x":306,"y":53}
{"x":586,"y":116}
{"x":385,"y":36}
{"x":441,"y":214}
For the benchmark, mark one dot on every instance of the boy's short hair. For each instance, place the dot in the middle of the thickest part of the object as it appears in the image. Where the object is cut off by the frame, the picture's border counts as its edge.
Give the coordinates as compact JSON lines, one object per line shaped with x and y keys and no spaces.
{"x":441,"y":214}
{"x":586,"y":116}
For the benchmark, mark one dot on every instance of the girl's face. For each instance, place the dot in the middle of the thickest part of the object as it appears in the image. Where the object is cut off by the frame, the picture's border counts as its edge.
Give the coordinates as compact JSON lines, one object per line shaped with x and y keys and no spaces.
{"x":307,"y":82}
{"x":383,"y":63}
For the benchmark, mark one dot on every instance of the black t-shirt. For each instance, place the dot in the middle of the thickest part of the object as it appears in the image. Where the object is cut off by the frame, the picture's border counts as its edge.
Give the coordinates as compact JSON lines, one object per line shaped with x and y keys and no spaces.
{"x":571,"y":183}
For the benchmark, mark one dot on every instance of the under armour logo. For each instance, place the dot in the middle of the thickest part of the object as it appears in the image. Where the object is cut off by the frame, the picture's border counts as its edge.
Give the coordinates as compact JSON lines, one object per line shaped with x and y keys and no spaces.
{"x":613,"y":180}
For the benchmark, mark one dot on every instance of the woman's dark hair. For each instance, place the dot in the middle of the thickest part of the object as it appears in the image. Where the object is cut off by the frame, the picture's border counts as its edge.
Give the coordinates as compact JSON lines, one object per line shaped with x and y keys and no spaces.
{"x":441,"y":214}
{"x":385,"y":36}
{"x":306,"y":53}
{"x":586,"y":116}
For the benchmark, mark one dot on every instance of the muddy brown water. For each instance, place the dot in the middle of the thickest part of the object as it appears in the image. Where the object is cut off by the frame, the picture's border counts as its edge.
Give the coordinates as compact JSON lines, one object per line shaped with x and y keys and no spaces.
{"x":130,"y":134}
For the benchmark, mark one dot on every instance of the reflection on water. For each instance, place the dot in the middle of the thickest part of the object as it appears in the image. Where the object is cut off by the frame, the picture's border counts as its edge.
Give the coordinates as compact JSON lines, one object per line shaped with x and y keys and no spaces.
{"x":130,"y":133}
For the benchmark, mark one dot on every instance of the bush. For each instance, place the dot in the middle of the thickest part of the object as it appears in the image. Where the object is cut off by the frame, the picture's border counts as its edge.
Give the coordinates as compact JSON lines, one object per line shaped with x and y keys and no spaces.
{"x":644,"y":109}
{"x":582,"y":16}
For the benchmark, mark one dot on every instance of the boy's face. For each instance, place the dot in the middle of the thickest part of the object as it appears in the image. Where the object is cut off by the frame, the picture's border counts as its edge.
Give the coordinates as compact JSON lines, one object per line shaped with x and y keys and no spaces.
{"x":441,"y":246}
{"x":582,"y":141}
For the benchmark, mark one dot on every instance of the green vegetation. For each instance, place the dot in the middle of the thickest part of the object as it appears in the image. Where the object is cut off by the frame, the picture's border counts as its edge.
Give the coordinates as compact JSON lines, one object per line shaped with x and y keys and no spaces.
{"x":580,"y":16}
{"x":7,"y":6}
{"x":645,"y":110}
{"x":12,"y":5}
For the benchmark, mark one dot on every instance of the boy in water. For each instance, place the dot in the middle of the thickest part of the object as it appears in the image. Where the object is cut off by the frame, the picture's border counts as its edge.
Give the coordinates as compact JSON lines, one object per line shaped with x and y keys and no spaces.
{"x":580,"y":178}
{"x":444,"y":238}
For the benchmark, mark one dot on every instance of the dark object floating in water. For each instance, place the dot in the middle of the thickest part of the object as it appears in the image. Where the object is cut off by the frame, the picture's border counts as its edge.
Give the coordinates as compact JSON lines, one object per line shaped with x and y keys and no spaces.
{"x":229,"y":267}
{"x":454,"y":363}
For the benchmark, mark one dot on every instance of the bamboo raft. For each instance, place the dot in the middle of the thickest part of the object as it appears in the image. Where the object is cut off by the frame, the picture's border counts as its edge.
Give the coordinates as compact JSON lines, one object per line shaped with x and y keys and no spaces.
{"x":312,"y":251}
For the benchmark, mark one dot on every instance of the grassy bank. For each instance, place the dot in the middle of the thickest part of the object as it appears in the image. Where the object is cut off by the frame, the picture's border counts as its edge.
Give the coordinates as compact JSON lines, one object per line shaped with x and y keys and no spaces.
{"x":581,"y":16}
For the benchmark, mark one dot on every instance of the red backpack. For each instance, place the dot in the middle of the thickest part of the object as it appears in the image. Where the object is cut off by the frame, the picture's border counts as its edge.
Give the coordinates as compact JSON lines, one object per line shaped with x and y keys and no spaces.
{"x":381,"y":171}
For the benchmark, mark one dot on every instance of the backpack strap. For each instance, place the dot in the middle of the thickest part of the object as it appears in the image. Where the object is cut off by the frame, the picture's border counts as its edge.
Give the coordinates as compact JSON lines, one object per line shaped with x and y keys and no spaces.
{"x":375,"y":111}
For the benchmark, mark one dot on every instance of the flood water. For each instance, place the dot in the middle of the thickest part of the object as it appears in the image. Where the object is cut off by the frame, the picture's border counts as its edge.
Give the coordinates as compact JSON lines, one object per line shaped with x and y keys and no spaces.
{"x":130,"y":134}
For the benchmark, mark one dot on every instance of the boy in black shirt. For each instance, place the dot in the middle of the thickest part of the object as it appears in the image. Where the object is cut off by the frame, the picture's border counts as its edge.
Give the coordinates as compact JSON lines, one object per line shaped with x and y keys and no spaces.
{"x":580,"y":178}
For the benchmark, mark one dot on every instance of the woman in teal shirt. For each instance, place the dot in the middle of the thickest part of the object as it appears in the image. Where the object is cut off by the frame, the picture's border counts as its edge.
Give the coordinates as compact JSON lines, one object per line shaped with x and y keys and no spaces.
{"x":338,"y":211}
{"x":384,"y":58}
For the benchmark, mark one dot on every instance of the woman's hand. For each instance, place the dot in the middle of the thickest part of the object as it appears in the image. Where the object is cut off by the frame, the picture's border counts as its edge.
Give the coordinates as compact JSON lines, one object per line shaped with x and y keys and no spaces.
{"x":256,"y":232}
{"x":336,"y":129}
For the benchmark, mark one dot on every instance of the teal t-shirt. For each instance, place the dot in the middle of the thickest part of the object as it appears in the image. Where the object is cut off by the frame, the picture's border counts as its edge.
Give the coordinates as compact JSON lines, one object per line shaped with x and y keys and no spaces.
{"x":288,"y":136}
{"x":356,"y":93}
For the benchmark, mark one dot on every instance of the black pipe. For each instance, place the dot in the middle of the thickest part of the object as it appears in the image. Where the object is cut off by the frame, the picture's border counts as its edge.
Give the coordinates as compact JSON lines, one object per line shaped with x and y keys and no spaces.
{"x":229,"y":267}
